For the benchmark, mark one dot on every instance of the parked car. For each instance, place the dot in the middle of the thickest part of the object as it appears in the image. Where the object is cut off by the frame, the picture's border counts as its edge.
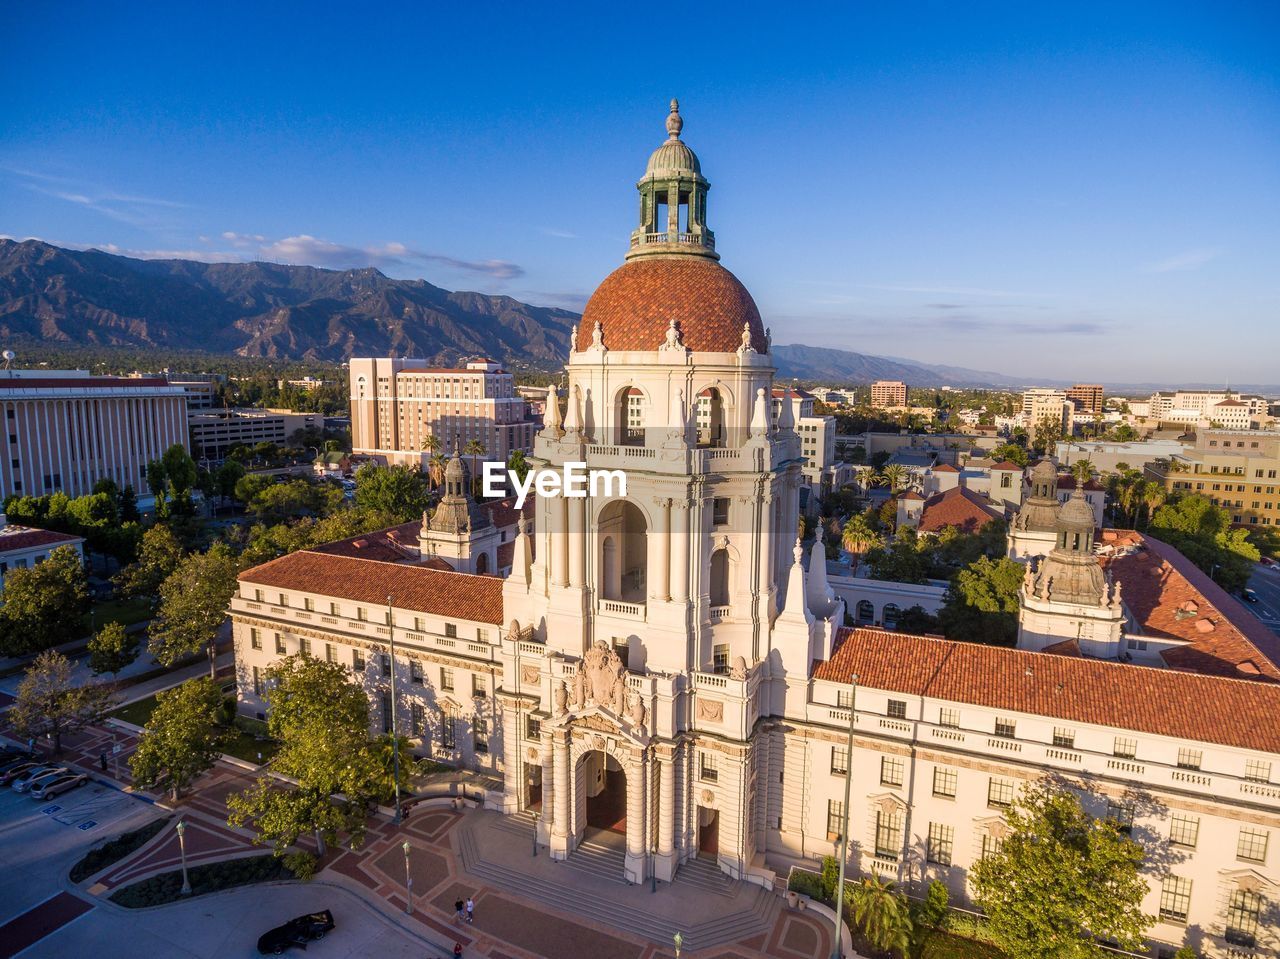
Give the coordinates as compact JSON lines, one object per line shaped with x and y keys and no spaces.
{"x":16,"y":770}
{"x":46,"y":788}
{"x":296,"y":932}
{"x":12,"y":762}
{"x":23,"y":783}
{"x":1249,"y":596}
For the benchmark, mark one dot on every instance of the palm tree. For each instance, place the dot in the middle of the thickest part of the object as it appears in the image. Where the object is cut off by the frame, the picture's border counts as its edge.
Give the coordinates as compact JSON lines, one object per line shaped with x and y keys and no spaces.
{"x":1154,"y":495}
{"x":894,"y":476}
{"x":435,"y":469}
{"x":474,"y":449}
{"x":881,"y":913}
{"x":1082,"y":470}
{"x":431,"y":443}
{"x":857,"y":537}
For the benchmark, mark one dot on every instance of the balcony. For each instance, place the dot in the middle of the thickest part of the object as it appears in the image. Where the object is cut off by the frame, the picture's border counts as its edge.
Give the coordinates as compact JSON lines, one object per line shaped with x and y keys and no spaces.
{"x":705,"y":239}
{"x":616,"y":607}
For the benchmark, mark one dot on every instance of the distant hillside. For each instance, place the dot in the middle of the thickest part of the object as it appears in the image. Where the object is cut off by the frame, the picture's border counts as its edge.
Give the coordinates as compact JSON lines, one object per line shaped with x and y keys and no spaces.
{"x":836,"y":367}
{"x":89,"y":298}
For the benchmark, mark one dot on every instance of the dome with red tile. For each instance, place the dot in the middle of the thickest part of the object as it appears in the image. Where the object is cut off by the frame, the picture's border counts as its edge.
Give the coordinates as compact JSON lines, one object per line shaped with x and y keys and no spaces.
{"x":636,"y":302}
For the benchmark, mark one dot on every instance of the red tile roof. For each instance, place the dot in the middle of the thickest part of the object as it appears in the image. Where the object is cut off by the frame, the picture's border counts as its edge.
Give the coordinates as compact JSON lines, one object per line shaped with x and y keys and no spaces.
{"x":28,"y":537}
{"x":460,"y":595}
{"x":1007,"y":466}
{"x":910,"y":495}
{"x":1172,"y":598}
{"x":959,"y":507}
{"x":636,"y":302}
{"x":503,"y":513}
{"x":379,"y":545}
{"x":1069,"y":482}
{"x":1164,"y":702}
{"x":945,"y":468}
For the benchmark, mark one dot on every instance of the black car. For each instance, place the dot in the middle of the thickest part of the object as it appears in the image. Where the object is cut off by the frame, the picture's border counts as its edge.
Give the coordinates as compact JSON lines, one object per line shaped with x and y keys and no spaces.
{"x":296,"y":932}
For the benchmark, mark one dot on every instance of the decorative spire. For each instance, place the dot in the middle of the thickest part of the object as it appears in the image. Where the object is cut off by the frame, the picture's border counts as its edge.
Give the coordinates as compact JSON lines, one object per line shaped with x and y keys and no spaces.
{"x":551,"y":414}
{"x":760,"y":414}
{"x":674,"y":122}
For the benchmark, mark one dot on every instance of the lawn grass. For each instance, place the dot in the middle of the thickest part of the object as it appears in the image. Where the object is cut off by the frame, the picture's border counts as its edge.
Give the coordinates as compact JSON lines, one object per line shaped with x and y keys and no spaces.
{"x":205,"y":878}
{"x":245,"y":744}
{"x":112,"y":852}
{"x":117,"y":610}
{"x":947,"y":945}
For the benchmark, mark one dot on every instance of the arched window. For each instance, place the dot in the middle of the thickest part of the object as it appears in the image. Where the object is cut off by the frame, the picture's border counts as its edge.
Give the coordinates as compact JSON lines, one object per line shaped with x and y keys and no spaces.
{"x":866,"y":613}
{"x":720,"y":578}
{"x":482,"y":563}
{"x":711,"y":418}
{"x":624,"y":552}
{"x":891,"y":613}
{"x":629,"y":417}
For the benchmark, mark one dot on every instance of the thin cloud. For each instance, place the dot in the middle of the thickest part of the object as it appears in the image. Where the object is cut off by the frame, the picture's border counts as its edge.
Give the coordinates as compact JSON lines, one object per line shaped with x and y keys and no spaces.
{"x":1183,"y":262}
{"x":947,"y":290}
{"x":313,"y":251}
{"x":201,"y":256}
{"x":559,"y":234}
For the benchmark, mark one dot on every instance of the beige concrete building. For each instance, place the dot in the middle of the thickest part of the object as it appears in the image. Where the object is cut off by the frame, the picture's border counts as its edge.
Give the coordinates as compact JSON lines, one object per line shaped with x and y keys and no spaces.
{"x":667,"y":661}
{"x":1238,"y":470}
{"x":1086,"y":397}
{"x":66,"y":429}
{"x":1041,"y":404}
{"x":397,"y":404}
{"x":215,"y":432}
{"x":823,"y":470}
{"x":889,"y":393}
{"x":22,"y":547}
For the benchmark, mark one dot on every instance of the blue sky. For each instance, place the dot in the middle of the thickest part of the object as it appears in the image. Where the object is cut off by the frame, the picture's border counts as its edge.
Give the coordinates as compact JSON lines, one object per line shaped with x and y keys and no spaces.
{"x":1059,"y":190}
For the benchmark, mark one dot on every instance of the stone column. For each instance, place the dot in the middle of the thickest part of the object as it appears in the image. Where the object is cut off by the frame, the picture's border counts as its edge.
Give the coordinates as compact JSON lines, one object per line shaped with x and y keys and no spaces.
{"x":660,"y":552}
{"x":673,"y":208}
{"x":666,"y":863}
{"x":514,"y":762}
{"x":548,"y":791}
{"x":637,"y":833}
{"x":563,"y":794}
{"x":559,"y":535}
{"x":577,"y":534}
{"x":679,"y":552}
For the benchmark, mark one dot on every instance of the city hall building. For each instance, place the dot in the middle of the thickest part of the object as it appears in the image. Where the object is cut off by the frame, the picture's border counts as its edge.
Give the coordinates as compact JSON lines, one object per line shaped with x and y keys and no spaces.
{"x":664,"y":673}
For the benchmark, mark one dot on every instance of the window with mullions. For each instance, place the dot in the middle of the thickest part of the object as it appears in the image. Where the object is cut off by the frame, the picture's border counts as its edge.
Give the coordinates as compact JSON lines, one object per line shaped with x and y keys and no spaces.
{"x":1252,"y":845}
{"x":839,"y":761}
{"x":944,"y":782}
{"x":891,"y":769}
{"x":835,"y":819}
{"x":1243,"y":911}
{"x":1184,"y":830}
{"x":1120,"y":813}
{"x":941,"y":841}
{"x":448,"y":734}
{"x":1175,"y":898}
{"x":888,"y":835}
{"x":1000,"y":793}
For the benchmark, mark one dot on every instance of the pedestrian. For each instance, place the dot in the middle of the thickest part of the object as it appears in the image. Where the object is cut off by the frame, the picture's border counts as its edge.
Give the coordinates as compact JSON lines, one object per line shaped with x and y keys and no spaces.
{"x":457,"y":950}
{"x":471,"y":909}
{"x":458,"y":908}
{"x":102,"y":760}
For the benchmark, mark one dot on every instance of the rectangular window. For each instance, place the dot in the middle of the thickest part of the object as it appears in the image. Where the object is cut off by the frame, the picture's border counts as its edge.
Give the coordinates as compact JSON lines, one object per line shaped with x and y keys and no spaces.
{"x":897,"y":708}
{"x":386,"y":712}
{"x":451,"y":630}
{"x":446,"y":679}
{"x":304,"y":645}
{"x":844,"y":698}
{"x":1252,"y":845}
{"x":334,"y":609}
{"x":707,"y":771}
{"x":944,"y":782}
{"x":417,"y":624}
{"x":417,"y":719}
{"x":357,"y":660}
{"x":1189,"y":758}
{"x":1243,"y":911}
{"x":990,"y":846}
{"x":1000,"y":793}
{"x":1184,"y":830}
{"x":255,"y":638}
{"x":284,"y":600}
{"x":384,"y":664}
{"x":1257,"y":771}
{"x":361,"y":613}
{"x":839,"y":761}
{"x":415,"y":672}
{"x":1121,"y":813}
{"x":890,"y":771}
{"x":1125,"y":748}
{"x":280,"y":650}
{"x":330,"y":654}
{"x":888,"y":835}
{"x":257,"y":681}
{"x":949,"y":718}
{"x":532,"y":728}
{"x":448,"y":738}
{"x":1175,"y":898}
{"x":720,"y":658}
{"x":309,"y":605}
{"x":941,"y":841}
{"x":1005,"y":728}
{"x":478,"y":689}
{"x":480,"y":737}
{"x":720,"y":511}
{"x":835,"y":819}
{"x":1066,"y":738}
{"x":482,"y":635}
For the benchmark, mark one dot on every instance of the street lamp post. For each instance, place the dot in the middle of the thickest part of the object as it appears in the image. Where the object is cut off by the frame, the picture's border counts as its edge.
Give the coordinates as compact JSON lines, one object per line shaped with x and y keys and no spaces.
{"x":182,"y":847}
{"x":836,"y":950}
{"x":408,"y":880}
{"x":653,"y":866}
{"x":395,"y":726}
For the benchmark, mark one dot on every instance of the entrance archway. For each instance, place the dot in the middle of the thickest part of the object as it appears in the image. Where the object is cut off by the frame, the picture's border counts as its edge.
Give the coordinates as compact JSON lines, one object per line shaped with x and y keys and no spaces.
{"x":708,"y":832}
{"x":603,"y":788}
{"x":624,"y":552}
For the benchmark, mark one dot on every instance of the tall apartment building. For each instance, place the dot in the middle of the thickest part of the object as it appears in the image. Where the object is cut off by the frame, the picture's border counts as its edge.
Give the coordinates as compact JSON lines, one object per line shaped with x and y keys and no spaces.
{"x":66,"y":429}
{"x":1202,"y":407}
{"x":822,"y":468}
{"x":396,"y":404}
{"x":1236,"y":469}
{"x":1087,"y":397}
{"x":888,"y":393}
{"x":1039,"y":404}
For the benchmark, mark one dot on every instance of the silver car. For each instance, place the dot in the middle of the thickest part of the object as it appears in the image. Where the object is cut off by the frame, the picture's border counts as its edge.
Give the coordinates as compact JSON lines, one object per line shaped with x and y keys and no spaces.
{"x":46,"y":788}
{"x":23,"y":783}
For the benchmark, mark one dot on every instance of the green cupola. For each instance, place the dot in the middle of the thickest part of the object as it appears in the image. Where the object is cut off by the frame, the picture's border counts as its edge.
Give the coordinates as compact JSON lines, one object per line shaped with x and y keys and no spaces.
{"x":673,"y":200}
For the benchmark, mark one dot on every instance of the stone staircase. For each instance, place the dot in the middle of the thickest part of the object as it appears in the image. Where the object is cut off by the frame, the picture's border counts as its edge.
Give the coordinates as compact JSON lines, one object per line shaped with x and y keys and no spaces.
{"x":595,"y":864}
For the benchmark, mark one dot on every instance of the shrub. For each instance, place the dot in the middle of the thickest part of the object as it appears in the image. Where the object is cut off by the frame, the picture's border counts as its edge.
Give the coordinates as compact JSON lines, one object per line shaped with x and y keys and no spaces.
{"x":205,"y":878}
{"x":302,"y":865}
{"x":112,"y":852}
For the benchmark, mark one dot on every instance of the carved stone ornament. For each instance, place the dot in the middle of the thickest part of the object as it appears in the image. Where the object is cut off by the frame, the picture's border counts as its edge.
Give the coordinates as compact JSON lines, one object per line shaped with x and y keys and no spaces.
{"x":529,"y":674}
{"x":887,"y":805}
{"x":532,"y":754}
{"x":672,"y":340}
{"x":561,"y":699}
{"x":707,"y":797}
{"x":605,"y":678}
{"x":739,"y":668}
{"x":637,"y":711}
{"x":712,"y":710}
{"x":599,"y":742}
{"x":997,"y":830}
{"x":597,"y":722}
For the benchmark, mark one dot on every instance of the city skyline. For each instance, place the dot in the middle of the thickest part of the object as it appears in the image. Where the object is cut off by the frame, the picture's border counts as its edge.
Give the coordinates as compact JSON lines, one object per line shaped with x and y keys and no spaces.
{"x":1024,"y":194}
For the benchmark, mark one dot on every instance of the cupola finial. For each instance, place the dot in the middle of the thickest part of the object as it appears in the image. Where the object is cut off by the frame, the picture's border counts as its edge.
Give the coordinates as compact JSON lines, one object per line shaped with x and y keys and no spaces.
{"x":674,"y":122}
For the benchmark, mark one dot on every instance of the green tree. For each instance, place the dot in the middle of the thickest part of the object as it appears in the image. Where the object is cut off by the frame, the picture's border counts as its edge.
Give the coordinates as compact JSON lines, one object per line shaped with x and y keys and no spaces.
{"x":44,"y":605}
{"x":49,"y":703}
{"x":249,"y":485}
{"x":517,"y":464}
{"x":981,"y":604}
{"x":1203,"y":533}
{"x":1012,"y":452}
{"x":1062,"y":881}
{"x":111,"y":649}
{"x":915,"y":620}
{"x":321,"y":720}
{"x":158,"y":556}
{"x":881,"y":912}
{"x":929,"y":916}
{"x":129,"y":506}
{"x":193,"y":606}
{"x":183,"y":737}
{"x":894,"y":476}
{"x":857,"y":537}
{"x":399,"y":491}
{"x":900,"y":561}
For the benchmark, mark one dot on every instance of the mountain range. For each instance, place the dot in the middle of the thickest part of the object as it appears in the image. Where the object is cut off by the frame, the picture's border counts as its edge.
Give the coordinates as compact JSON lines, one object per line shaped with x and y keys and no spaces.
{"x":87,"y":298}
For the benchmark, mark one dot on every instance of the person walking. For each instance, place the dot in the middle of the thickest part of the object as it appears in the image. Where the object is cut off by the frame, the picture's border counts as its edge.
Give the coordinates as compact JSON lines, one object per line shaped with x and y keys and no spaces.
{"x":102,"y":760}
{"x":471,"y":909}
{"x":457,"y":950}
{"x":458,"y":907}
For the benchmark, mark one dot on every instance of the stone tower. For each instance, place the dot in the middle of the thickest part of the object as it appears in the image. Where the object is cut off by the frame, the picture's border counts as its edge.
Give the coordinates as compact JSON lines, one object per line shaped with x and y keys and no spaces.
{"x":459,"y":531}
{"x":1034,"y":528}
